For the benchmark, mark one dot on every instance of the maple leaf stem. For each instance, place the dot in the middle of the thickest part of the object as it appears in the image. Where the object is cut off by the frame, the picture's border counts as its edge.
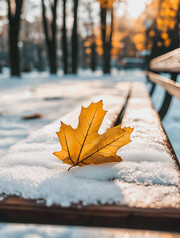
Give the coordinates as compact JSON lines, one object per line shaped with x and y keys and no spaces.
{"x":74,"y":165}
{"x":71,"y":167}
{"x":68,"y":150}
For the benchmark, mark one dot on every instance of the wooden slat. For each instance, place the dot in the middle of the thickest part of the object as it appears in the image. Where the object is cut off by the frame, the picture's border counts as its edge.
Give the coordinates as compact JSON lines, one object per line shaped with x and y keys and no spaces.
{"x":136,"y":114}
{"x":169,"y":85}
{"x":139,"y":92}
{"x":169,"y":62}
{"x":19,"y":210}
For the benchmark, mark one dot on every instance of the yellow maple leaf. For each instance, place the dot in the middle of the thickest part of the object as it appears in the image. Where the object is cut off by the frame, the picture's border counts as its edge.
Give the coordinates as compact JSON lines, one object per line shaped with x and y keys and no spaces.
{"x":84,"y":146}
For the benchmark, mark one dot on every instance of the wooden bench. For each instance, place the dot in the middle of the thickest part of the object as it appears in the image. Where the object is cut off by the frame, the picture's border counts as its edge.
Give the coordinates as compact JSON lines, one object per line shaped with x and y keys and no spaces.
{"x":154,"y":212}
{"x":167,"y":63}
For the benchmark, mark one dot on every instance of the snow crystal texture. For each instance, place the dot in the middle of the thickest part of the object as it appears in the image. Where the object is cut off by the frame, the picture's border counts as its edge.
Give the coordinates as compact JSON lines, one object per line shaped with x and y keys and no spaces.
{"x":147,"y":177}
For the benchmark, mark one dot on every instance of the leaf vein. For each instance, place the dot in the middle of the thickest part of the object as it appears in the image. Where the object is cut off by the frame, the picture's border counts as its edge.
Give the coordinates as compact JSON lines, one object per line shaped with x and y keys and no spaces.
{"x":103,"y":147}
{"x":68,"y":150}
{"x":86,"y":136}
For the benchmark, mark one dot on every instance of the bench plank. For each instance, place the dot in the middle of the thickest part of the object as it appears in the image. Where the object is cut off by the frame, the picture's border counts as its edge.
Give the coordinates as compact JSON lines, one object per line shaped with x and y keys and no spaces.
{"x":142,"y":216}
{"x":140,"y":110}
{"x":169,"y":62}
{"x":169,"y":85}
{"x":19,"y":210}
{"x":114,"y":105}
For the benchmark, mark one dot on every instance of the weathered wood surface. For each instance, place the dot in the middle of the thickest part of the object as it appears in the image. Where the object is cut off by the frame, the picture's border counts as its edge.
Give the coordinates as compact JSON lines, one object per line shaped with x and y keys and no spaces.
{"x":169,"y":85}
{"x":18,"y":210}
{"x":169,"y":62}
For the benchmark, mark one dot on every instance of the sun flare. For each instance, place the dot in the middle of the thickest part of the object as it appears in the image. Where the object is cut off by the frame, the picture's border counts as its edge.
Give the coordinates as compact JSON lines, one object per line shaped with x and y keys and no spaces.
{"x":136,"y":7}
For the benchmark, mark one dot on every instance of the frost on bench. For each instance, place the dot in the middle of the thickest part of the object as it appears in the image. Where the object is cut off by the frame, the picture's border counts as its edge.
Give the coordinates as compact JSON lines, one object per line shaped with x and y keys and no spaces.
{"x":148,"y":155}
{"x":146,"y":178}
{"x":167,"y":63}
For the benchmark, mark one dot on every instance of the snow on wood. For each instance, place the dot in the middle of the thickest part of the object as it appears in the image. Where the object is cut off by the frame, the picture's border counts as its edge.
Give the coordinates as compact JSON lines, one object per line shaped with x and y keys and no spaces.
{"x":147,"y":177}
{"x":148,"y":158}
{"x":52,"y":97}
{"x":170,"y":86}
{"x":30,"y":164}
{"x":169,"y":62}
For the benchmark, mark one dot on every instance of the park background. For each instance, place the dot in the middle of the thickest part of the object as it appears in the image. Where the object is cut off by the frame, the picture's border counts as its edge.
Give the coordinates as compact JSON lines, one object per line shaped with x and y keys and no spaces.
{"x":64,"y":36}
{"x":55,"y":54}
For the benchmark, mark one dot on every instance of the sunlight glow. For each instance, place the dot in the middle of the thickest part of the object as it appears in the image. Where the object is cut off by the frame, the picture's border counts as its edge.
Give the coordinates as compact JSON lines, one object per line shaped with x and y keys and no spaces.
{"x":136,"y":7}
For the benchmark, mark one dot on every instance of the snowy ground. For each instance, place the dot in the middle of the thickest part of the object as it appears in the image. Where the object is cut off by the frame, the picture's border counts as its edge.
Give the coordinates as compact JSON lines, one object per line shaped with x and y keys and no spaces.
{"x":52,"y":98}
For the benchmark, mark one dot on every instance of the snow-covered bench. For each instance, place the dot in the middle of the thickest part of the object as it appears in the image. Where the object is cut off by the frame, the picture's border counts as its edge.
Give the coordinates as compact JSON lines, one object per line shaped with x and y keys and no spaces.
{"x":142,"y":192}
{"x":167,"y":63}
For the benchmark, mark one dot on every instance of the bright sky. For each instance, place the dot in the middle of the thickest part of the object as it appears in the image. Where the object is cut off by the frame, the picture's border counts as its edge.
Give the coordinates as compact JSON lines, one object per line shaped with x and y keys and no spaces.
{"x":136,"y":7}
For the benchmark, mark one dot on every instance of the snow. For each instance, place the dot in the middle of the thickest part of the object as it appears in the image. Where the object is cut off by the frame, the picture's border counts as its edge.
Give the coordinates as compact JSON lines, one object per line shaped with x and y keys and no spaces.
{"x":39,"y":231}
{"x":29,"y":169}
{"x":51,"y":100}
{"x":51,"y":97}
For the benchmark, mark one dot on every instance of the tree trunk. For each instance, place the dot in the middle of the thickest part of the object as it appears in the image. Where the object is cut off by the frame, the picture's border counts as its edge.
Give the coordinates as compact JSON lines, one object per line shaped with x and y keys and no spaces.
{"x":178,"y":23}
{"x":156,"y":51}
{"x":50,"y":41}
{"x":14,"y":26}
{"x":93,"y":62}
{"x":53,"y":41}
{"x":103,"y":34}
{"x":107,"y":40}
{"x":108,"y":47}
{"x":74,"y":40}
{"x":46,"y":30}
{"x":64,"y":40}
{"x":175,"y":33}
{"x":14,"y":53}
{"x":40,"y":58}
{"x":93,"y":54}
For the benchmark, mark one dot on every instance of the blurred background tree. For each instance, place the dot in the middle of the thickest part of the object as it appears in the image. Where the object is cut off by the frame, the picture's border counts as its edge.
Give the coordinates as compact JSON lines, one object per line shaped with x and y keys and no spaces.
{"x":50,"y":33}
{"x":68,"y":35}
{"x":163,"y":33}
{"x":14,"y":17}
{"x":64,"y":40}
{"x":74,"y":38}
{"x":107,"y":31}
